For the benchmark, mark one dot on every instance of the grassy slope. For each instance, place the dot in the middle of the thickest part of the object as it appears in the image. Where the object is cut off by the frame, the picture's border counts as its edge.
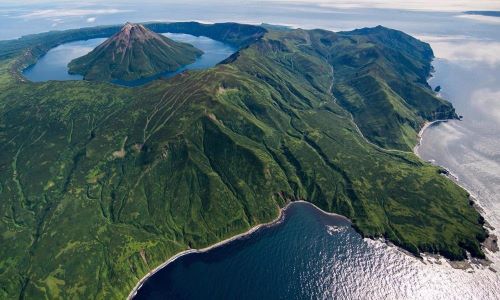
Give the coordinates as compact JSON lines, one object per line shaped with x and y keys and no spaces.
{"x":384,"y":85}
{"x":102,"y":183}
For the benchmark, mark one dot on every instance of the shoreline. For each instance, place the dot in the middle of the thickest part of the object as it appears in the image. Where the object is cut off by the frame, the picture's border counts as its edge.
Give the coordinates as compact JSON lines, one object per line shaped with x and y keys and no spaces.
{"x":252,"y":230}
{"x":450,"y":175}
{"x":420,"y":134}
{"x":472,"y":196}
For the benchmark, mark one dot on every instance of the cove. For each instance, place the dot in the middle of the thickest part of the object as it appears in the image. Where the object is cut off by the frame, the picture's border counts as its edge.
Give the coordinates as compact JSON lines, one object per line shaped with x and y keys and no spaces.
{"x":310,"y":255}
{"x":54,"y":64}
{"x":267,"y":264}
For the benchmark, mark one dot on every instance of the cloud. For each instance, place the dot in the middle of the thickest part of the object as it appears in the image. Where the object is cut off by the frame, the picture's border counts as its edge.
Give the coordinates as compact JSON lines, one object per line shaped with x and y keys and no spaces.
{"x":487,"y":101}
{"x":441,"y":5}
{"x":483,"y":19}
{"x":91,"y":20}
{"x":56,"y":22}
{"x":52,"y":13}
{"x":464,"y":49}
{"x":428,"y":5}
{"x":443,"y":38}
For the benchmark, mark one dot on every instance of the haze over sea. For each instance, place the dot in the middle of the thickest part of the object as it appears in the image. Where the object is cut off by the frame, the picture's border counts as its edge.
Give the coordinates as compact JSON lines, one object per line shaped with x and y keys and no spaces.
{"x":467,"y":50}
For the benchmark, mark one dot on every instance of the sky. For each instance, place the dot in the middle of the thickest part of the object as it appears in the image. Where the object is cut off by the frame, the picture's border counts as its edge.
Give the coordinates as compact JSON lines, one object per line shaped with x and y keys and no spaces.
{"x":19,"y":18}
{"x":435,"y":5}
{"x":92,"y":9}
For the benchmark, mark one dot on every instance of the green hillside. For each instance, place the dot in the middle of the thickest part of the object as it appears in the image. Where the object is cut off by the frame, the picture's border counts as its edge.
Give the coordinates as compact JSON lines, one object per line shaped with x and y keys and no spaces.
{"x":100,"y":184}
{"x":133,"y":53}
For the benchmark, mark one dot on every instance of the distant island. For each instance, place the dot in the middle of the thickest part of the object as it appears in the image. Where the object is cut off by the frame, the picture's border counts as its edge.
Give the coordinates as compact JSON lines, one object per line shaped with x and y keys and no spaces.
{"x":488,"y":13}
{"x":133,"y":53}
{"x":100,"y":184}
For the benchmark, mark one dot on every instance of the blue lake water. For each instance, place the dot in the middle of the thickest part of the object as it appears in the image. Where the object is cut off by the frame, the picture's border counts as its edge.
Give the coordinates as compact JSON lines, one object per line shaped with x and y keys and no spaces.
{"x":54,"y":64}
